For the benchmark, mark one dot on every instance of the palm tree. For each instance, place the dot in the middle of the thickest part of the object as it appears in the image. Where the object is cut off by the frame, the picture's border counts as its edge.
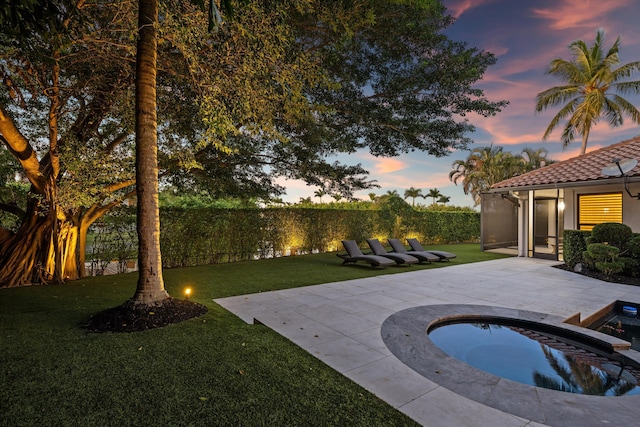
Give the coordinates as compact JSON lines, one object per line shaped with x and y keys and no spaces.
{"x":413,"y":193}
{"x":444,"y":199}
{"x":586,"y":97}
{"x":150,"y":288}
{"x":319,"y":194}
{"x":373,"y":196}
{"x":434,"y":193}
{"x":535,"y":159}
{"x":484,"y":167}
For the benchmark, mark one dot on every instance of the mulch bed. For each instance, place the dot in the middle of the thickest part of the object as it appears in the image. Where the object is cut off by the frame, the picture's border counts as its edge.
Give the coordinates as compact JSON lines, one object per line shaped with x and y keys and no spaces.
{"x":616,"y":278}
{"x":135,"y":318}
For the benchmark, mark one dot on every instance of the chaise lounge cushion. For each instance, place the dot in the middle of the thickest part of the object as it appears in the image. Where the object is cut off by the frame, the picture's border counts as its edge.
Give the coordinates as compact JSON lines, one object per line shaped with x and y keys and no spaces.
{"x":354,"y":254}
{"x":423,"y":256}
{"x":416,"y":246}
{"x":378,"y":249}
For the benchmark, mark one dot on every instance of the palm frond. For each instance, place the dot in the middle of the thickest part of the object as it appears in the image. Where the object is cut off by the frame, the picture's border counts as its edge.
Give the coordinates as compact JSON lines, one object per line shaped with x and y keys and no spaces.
{"x":555,"y":96}
{"x":627,"y":108}
{"x":632,"y":88}
{"x":613,"y":112}
{"x":568,"y":72}
{"x":564,"y":112}
{"x":625,"y":71}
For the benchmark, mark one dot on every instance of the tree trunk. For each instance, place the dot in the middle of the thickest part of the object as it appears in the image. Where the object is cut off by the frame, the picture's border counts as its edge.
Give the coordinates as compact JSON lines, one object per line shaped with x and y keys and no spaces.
{"x":585,"y":137}
{"x":82,"y":248}
{"x":150,"y":289}
{"x":41,"y":251}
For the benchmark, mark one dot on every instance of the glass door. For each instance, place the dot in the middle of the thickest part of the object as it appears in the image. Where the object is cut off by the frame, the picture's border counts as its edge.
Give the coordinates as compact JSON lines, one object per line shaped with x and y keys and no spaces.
{"x":546,"y":241}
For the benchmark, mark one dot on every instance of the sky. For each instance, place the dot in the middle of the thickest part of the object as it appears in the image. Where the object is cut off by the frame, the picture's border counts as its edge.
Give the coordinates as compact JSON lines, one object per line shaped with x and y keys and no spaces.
{"x":524,"y":35}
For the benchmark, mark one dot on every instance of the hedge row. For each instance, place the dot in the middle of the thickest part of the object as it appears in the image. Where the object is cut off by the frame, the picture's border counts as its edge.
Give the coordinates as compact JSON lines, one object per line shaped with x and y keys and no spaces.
{"x":206,"y":236}
{"x":213,"y":235}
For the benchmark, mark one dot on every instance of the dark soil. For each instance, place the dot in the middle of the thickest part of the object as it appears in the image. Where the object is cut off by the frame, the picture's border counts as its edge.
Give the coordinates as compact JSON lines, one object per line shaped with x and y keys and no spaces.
{"x":135,"y":318}
{"x":616,"y":278}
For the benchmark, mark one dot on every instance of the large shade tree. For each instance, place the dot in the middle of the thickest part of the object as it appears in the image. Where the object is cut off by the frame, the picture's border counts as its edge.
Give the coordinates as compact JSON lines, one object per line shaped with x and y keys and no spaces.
{"x":277,"y":91}
{"x":594,"y":82}
{"x":86,"y":124}
{"x":47,"y":117}
{"x":403,"y":85}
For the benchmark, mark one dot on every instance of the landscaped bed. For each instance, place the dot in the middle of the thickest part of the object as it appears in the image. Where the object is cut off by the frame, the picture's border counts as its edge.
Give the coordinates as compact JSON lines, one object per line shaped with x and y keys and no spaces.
{"x":615,"y":278}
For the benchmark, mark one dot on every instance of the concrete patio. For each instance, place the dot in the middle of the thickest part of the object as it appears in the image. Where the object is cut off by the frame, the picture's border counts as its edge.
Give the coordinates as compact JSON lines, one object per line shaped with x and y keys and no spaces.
{"x":340,"y":324}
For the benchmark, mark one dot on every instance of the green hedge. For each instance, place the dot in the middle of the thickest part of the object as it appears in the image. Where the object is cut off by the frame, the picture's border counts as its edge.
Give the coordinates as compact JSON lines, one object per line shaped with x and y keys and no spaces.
{"x":574,"y":245}
{"x":213,"y":235}
{"x":445,"y":227}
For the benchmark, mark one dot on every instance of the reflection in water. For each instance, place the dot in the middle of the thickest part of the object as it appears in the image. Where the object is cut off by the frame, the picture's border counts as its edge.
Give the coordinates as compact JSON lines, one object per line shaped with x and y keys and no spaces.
{"x":536,"y":358}
{"x":574,"y":376}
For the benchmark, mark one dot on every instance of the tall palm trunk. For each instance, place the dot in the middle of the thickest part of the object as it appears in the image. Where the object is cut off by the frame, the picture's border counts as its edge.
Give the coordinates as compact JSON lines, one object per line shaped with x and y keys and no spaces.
{"x":150,"y":288}
{"x":585,"y":138}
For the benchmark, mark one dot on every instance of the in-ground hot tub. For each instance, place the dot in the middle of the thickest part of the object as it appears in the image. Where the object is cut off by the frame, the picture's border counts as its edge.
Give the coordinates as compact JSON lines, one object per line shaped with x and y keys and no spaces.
{"x":539,"y":356}
{"x":406,"y":335}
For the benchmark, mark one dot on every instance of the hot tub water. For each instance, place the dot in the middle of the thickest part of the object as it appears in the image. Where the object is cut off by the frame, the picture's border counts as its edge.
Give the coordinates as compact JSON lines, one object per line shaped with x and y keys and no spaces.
{"x":535,"y":358}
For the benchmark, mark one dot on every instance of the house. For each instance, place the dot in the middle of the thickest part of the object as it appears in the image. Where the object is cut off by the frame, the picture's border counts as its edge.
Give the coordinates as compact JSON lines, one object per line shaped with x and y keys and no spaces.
{"x":527,"y":214}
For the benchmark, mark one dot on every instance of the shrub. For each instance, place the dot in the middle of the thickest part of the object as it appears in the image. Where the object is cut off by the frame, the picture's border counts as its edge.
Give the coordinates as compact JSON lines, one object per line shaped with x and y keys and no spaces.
{"x":604,"y":258}
{"x":633,"y":247}
{"x":613,"y":233}
{"x":574,"y":246}
{"x":631,"y":266}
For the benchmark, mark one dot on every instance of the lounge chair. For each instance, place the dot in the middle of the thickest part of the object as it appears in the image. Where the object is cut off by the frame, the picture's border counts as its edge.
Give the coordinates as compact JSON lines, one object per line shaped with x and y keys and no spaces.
{"x":423,"y":256}
{"x":416,"y":246}
{"x":378,"y":249}
{"x":354,"y":254}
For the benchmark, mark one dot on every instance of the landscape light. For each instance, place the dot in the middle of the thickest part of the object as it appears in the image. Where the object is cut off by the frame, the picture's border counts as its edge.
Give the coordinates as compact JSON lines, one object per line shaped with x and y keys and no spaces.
{"x":187,"y":293}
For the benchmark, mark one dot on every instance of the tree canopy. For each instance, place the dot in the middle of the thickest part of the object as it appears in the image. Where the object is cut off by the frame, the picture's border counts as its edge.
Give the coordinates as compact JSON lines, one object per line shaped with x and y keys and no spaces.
{"x":277,"y":91}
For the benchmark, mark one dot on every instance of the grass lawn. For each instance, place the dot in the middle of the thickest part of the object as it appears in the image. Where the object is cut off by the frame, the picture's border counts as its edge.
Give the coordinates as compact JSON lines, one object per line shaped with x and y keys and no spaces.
{"x":212,"y":371}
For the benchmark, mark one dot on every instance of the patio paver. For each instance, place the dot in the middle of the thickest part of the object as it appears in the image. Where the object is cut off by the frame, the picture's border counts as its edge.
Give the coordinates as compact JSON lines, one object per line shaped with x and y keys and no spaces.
{"x":340,"y":324}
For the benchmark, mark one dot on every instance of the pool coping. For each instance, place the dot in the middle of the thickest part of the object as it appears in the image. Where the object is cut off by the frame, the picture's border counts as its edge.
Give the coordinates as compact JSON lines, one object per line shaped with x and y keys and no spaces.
{"x":405,"y":334}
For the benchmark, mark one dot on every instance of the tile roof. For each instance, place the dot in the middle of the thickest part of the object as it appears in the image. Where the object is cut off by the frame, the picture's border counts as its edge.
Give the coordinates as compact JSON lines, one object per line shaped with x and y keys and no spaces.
{"x":583,"y":168}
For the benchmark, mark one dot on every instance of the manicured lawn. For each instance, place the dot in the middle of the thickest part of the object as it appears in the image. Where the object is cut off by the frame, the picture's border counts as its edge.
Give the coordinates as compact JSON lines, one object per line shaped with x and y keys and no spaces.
{"x":214,"y":370}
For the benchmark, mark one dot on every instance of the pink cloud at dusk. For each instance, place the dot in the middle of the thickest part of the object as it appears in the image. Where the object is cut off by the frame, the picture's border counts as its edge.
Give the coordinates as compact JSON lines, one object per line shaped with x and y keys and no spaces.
{"x":387,"y":165}
{"x":458,"y":7}
{"x":569,"y":14}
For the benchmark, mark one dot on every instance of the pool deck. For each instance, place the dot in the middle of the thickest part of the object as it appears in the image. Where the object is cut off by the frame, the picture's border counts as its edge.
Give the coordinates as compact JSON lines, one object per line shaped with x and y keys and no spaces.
{"x":340,"y":324}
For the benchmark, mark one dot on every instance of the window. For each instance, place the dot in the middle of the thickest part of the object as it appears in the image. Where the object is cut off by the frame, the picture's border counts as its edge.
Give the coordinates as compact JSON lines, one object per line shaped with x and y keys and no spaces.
{"x":598,"y":208}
